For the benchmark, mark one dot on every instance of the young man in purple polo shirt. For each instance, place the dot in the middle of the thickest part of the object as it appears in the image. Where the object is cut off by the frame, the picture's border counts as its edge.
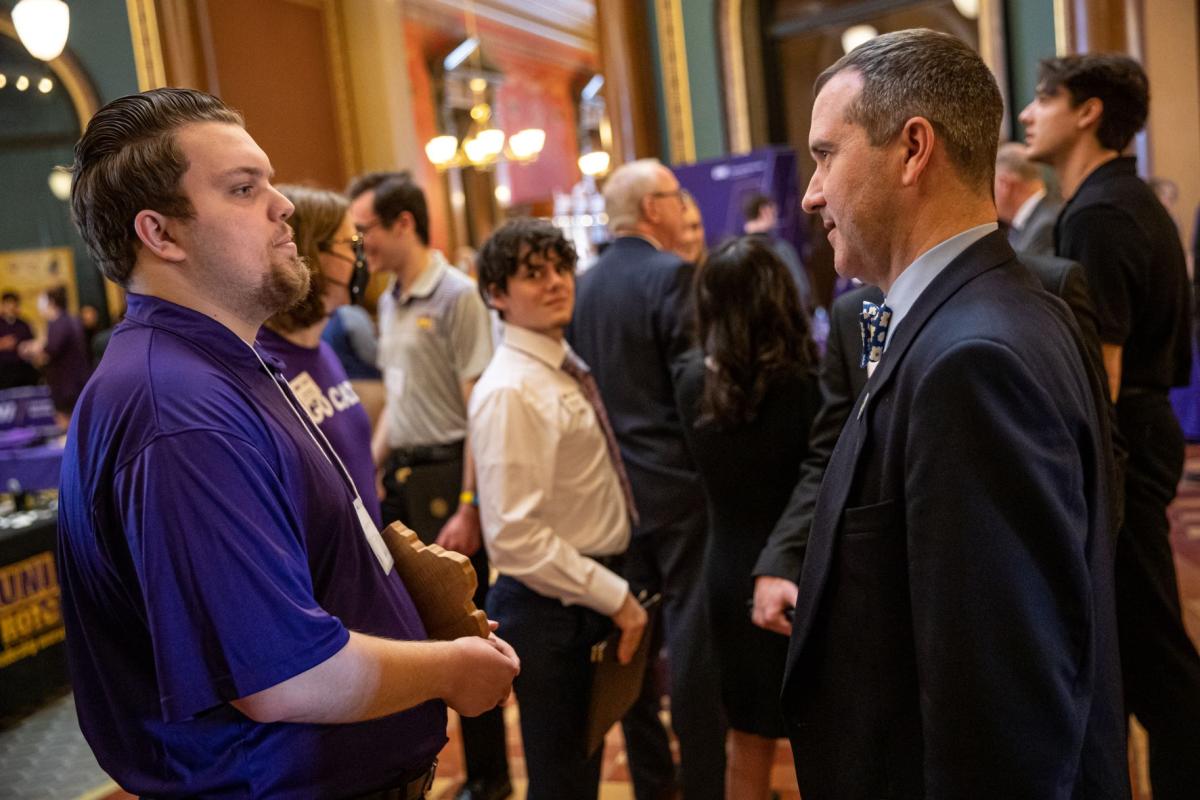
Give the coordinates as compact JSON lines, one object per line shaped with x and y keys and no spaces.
{"x":234,"y":627}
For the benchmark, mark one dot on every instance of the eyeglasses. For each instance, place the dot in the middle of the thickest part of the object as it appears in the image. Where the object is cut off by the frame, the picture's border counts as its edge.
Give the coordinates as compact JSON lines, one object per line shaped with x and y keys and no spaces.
{"x":355,"y":242}
{"x":676,"y":193}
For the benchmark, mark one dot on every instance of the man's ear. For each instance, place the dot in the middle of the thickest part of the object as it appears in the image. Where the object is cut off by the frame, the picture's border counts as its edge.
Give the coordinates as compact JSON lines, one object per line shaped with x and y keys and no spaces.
{"x":646,"y":209}
{"x":404,"y":220}
{"x":917,"y":139}
{"x":496,"y":298}
{"x":157,"y":234}
{"x":1090,"y":112}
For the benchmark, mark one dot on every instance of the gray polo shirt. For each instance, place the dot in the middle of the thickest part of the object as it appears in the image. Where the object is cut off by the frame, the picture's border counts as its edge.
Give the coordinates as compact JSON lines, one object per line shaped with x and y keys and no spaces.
{"x":431,"y":340}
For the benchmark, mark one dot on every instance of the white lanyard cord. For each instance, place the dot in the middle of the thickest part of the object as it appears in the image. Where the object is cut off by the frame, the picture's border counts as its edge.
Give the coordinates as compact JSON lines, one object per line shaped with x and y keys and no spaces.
{"x":308,"y":426}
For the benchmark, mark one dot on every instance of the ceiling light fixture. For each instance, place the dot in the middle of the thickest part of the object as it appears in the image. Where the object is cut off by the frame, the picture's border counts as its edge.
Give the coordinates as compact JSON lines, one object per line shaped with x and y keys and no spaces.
{"x":42,"y":26}
{"x":484,"y":143}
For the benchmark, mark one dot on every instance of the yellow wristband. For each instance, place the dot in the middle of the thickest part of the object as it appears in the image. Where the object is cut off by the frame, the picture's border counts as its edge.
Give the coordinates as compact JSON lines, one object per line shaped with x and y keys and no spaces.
{"x":467,"y":497}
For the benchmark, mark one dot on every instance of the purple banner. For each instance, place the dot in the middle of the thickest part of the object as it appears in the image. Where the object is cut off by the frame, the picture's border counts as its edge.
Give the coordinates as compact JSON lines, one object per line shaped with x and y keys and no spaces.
{"x":721,"y":187}
{"x":26,"y":407}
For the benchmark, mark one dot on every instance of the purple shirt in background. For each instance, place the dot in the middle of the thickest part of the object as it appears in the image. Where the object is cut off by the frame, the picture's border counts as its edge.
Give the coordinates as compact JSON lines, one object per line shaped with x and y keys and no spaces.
{"x":320,"y":384}
{"x":208,"y":549}
{"x":69,"y":366}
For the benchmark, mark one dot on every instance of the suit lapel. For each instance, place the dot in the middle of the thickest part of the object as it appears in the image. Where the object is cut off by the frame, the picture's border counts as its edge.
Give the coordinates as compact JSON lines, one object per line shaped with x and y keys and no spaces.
{"x":988,"y":253}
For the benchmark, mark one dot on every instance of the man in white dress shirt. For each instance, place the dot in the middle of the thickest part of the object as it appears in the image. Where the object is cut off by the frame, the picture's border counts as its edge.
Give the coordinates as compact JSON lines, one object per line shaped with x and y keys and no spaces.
{"x":554,"y":502}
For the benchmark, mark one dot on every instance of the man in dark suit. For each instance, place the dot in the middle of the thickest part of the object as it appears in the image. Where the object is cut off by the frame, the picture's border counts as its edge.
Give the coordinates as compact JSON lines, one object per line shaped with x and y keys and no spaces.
{"x":1023,"y":202}
{"x":631,"y":320}
{"x":842,"y":380}
{"x":954,"y":630}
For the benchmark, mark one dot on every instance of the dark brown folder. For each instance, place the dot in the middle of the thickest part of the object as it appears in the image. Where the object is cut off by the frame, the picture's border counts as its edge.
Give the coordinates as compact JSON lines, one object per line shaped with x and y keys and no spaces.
{"x":616,"y":686}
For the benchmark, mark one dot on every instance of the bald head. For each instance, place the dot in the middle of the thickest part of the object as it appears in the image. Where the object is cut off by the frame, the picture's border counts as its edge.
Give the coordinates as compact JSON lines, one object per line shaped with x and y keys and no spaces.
{"x":643,"y":197}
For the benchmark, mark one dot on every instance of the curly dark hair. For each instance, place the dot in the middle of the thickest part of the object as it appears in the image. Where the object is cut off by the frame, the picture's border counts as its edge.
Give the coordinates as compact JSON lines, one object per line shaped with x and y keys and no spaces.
{"x":1117,"y":81}
{"x":511,"y":245}
{"x":751,"y":327}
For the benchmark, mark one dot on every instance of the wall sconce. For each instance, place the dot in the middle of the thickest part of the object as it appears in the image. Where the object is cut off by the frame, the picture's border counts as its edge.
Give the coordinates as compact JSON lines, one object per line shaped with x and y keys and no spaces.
{"x":42,"y":26}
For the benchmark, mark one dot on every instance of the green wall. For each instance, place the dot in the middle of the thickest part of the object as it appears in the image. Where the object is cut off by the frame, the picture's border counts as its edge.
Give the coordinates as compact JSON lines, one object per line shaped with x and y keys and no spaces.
{"x":30,"y":217}
{"x":704,"y":79}
{"x":1030,"y":28}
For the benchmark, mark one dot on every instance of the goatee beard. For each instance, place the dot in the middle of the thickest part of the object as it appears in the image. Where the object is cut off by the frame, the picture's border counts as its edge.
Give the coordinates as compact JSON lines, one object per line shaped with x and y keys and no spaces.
{"x":285,"y":285}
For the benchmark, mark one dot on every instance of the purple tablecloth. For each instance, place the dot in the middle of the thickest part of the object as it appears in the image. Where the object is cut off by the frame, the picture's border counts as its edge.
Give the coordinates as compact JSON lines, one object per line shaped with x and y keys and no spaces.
{"x":33,"y":468}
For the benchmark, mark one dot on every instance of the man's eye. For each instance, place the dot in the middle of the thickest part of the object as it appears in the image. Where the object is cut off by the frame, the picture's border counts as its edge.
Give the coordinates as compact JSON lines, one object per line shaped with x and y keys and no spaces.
{"x":244,"y":190}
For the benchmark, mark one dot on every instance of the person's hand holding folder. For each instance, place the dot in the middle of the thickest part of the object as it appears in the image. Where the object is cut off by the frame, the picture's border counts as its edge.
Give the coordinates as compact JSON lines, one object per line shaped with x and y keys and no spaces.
{"x":631,"y":619}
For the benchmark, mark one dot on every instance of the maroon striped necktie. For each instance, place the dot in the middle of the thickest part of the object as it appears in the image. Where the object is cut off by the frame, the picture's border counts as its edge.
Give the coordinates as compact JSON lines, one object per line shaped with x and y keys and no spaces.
{"x":573,"y":365}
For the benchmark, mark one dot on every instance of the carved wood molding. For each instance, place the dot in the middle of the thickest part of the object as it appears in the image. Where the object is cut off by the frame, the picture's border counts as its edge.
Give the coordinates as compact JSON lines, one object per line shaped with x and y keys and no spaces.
{"x":677,"y":94}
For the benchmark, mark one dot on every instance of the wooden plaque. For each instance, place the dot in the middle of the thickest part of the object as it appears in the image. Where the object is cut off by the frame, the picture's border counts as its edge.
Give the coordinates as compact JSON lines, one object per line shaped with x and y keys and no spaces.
{"x":441,"y":583}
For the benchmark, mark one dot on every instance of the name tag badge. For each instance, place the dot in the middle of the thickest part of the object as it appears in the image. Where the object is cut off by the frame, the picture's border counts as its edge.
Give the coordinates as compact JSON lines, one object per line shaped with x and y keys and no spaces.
{"x":374,"y":537}
{"x":393,"y":379}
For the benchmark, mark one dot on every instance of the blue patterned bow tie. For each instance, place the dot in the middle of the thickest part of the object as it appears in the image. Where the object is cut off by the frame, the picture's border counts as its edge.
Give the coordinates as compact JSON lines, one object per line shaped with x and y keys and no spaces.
{"x":875,"y":321}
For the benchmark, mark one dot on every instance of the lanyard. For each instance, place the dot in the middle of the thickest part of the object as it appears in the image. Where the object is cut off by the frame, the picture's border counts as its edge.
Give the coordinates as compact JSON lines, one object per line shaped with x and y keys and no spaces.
{"x":323,"y":445}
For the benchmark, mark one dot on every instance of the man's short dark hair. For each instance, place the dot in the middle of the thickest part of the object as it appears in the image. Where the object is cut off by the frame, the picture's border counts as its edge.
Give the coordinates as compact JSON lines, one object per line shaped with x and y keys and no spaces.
{"x":754,"y":205}
{"x":510,"y":247}
{"x":129,"y":160}
{"x":57,"y":296}
{"x":10,"y":296}
{"x":923,"y":73}
{"x":1117,"y":81}
{"x":395,"y":193}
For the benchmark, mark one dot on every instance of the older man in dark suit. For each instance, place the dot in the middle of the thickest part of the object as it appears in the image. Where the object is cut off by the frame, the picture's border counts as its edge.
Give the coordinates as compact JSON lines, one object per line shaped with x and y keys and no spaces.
{"x":631,"y":320}
{"x":1024,"y":203}
{"x":954,"y":630}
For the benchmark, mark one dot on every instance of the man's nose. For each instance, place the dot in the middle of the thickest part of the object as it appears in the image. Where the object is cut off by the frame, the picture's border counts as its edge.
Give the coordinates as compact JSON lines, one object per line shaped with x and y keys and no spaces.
{"x":813,"y":199}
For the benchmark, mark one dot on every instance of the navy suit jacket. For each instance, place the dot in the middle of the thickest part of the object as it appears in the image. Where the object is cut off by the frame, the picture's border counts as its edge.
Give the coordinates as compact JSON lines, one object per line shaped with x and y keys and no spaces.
{"x":955,"y":632}
{"x":632,"y":319}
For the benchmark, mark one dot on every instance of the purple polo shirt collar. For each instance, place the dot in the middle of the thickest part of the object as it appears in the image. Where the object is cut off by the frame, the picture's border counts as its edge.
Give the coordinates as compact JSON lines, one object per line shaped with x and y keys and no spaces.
{"x":204,"y":332}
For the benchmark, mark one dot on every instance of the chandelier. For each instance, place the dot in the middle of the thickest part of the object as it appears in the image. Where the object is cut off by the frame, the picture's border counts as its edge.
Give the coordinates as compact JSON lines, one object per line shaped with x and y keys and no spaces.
{"x":484,"y":143}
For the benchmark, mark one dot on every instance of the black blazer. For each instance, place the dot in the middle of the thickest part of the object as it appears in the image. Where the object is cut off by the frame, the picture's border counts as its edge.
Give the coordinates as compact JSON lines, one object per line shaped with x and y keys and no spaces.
{"x":955,"y":633}
{"x":842,"y":380}
{"x":632,"y":319}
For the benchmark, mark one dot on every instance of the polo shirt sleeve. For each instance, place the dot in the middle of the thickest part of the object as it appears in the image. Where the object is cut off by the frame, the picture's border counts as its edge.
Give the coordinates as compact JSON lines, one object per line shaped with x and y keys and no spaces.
{"x":1112,"y":250}
{"x":223,"y":571}
{"x":470,"y":336}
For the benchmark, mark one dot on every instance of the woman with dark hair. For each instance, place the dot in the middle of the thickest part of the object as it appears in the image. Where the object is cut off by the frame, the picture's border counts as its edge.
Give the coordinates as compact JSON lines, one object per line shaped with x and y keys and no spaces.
{"x":325,"y":238}
{"x":747,"y":397}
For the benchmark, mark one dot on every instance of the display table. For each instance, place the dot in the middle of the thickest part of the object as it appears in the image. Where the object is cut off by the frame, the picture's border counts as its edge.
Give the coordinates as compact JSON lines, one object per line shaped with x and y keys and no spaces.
{"x":30,"y":469}
{"x":33,"y":661}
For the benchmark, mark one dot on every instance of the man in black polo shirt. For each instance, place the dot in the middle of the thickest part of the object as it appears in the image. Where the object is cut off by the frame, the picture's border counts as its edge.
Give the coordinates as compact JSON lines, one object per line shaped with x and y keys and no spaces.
{"x":1086,"y":111}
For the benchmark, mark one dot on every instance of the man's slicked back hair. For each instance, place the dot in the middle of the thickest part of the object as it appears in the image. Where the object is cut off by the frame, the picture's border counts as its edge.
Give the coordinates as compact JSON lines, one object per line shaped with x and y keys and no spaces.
{"x":129,"y":160}
{"x":1118,"y":81}
{"x":923,"y":73}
